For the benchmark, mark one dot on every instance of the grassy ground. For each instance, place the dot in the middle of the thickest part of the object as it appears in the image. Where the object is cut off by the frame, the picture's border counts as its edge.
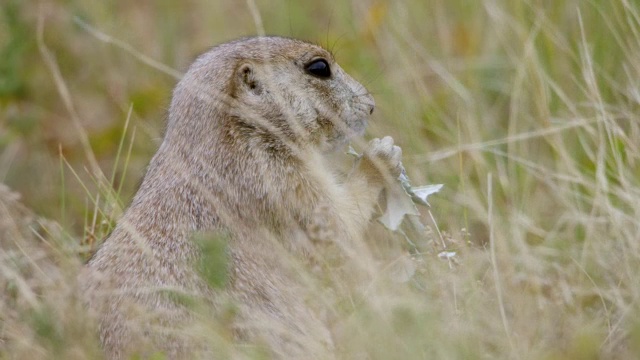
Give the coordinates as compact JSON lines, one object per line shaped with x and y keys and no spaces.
{"x":525,"y":110}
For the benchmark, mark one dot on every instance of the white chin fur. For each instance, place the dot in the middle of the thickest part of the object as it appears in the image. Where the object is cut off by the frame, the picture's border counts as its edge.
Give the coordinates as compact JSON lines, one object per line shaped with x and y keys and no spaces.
{"x":356,"y":129}
{"x":359,"y":126}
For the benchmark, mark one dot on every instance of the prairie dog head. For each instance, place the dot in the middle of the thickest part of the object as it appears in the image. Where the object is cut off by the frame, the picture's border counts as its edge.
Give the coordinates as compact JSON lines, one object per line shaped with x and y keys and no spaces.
{"x":284,"y":87}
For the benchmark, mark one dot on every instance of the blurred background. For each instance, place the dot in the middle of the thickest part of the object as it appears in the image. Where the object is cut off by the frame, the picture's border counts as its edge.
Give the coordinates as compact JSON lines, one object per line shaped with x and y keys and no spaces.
{"x":525,"y":110}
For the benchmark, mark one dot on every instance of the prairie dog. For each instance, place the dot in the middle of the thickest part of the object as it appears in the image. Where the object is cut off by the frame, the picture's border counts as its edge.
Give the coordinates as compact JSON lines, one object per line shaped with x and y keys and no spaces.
{"x":245,"y":152}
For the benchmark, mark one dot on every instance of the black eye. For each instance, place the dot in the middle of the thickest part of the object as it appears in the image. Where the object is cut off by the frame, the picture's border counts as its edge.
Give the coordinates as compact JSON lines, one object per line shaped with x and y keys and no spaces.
{"x":319,"y":68}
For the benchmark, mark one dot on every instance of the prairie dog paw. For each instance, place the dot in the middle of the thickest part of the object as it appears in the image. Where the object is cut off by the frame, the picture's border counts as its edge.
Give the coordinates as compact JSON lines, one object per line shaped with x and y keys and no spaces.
{"x":383,"y":159}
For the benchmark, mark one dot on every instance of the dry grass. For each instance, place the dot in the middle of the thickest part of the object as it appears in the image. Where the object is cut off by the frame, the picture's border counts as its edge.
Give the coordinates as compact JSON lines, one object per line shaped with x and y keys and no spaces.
{"x":526,"y":111}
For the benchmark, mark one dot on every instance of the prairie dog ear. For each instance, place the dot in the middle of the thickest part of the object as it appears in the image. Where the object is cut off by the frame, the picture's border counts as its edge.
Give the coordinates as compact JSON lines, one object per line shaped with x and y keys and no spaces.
{"x":245,"y":78}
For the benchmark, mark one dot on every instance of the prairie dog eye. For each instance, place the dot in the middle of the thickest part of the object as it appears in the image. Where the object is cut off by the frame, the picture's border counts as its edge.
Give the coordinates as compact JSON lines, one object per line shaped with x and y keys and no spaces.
{"x":319,"y":68}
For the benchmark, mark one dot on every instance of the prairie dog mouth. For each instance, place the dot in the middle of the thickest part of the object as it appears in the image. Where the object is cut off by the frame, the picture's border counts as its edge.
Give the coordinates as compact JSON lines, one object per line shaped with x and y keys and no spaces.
{"x":359,"y":126}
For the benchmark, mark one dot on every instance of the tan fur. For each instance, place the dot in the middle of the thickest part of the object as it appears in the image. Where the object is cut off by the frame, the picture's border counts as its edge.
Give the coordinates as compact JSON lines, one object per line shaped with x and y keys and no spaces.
{"x":245,"y":152}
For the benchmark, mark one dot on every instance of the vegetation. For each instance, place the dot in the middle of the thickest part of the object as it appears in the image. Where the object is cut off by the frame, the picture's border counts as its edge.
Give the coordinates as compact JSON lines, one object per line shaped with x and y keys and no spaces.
{"x":525,"y":110}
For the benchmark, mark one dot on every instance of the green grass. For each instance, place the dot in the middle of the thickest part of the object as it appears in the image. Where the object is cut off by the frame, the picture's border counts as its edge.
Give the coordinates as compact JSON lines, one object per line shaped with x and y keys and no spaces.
{"x":525,"y":110}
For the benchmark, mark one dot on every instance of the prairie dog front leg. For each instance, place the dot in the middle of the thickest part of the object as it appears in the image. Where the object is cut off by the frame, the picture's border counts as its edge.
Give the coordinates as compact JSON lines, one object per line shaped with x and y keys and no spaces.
{"x":381,"y":162}
{"x":379,"y":166}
